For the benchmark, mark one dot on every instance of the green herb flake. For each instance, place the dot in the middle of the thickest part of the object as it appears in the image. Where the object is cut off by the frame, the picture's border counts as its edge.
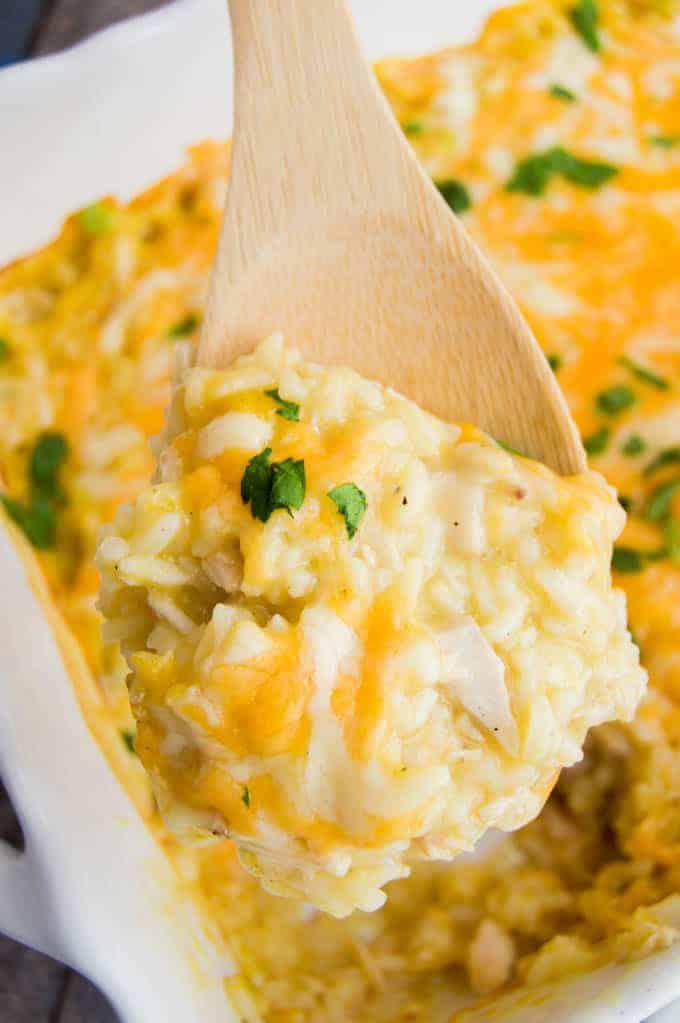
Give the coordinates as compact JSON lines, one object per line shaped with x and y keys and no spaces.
{"x":672,"y":536}
{"x":37,"y":520}
{"x":584,"y":173}
{"x":560,"y":92}
{"x":184,"y":327}
{"x":455,"y":195}
{"x":669,"y":456}
{"x":268,"y":487}
{"x":554,"y":361}
{"x":245,"y":797}
{"x":128,"y":738}
{"x":645,"y":374}
{"x":96,"y":219}
{"x":659,"y":504}
{"x":615,"y":400}
{"x":627,"y":559}
{"x":49,"y":453}
{"x":597,"y":442}
{"x":508,"y":447}
{"x":289,"y":410}
{"x":533,"y":173}
{"x":585,"y":17}
{"x":664,"y":141}
{"x":288,"y":485}
{"x":625,"y":502}
{"x":256,"y":485}
{"x":413,"y":128}
{"x":634,"y":445}
{"x":351,"y":503}
{"x":5,"y":349}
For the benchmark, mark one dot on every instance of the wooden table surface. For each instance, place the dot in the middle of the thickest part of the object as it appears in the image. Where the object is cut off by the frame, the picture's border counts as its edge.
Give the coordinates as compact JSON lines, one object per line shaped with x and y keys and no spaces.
{"x":34,"y":989}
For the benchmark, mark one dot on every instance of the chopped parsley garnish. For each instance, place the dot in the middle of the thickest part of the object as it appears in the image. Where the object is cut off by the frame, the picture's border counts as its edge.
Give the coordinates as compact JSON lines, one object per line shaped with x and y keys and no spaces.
{"x":634,"y":445}
{"x":659,"y":504}
{"x":597,"y":442}
{"x":669,"y":456}
{"x":351,"y":503}
{"x":455,"y":194}
{"x":560,"y":92}
{"x":5,"y":349}
{"x":630,"y":559}
{"x":256,"y":485}
{"x":584,"y":173}
{"x":615,"y":399}
{"x":584,"y":17}
{"x":509,"y":448}
{"x":37,"y":520}
{"x":287,"y":409}
{"x":37,"y":517}
{"x":664,"y":141}
{"x":269,"y":487}
{"x":49,"y":453}
{"x":96,"y":219}
{"x":645,"y":374}
{"x":128,"y":738}
{"x":625,"y":502}
{"x":288,"y":485}
{"x":627,"y":559}
{"x":413,"y":128}
{"x":672,"y":535}
{"x":533,"y":173}
{"x":245,"y":797}
{"x":554,"y":361}
{"x":184,"y":327}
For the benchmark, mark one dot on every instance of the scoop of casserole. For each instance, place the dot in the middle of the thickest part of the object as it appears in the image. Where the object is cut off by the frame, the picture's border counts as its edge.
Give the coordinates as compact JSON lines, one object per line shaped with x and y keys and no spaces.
{"x":357,"y":635}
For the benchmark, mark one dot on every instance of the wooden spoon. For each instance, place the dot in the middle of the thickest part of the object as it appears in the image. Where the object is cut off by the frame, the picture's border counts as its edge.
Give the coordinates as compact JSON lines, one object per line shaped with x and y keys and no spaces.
{"x":335,"y":235}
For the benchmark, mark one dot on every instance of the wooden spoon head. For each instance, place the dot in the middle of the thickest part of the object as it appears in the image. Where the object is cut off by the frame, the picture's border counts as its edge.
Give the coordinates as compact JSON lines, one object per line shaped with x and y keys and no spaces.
{"x":334,"y":235}
{"x":419,"y":312}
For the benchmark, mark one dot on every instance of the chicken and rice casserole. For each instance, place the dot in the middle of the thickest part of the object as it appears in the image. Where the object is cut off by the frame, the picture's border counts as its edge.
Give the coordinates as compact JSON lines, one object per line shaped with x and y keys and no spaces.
{"x":358,"y":635}
{"x":556,"y":137}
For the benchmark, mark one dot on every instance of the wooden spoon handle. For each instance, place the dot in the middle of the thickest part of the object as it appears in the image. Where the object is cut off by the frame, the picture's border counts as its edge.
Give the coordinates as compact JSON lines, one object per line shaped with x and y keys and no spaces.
{"x":333,"y":233}
{"x":305,"y":94}
{"x":313,"y":136}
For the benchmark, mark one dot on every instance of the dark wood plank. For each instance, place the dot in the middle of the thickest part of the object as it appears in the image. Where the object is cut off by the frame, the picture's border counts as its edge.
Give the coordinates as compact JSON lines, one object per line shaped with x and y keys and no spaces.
{"x":18,"y":20}
{"x":10,"y":828}
{"x":30,"y":985}
{"x":82,"y":1003}
{"x":67,"y":21}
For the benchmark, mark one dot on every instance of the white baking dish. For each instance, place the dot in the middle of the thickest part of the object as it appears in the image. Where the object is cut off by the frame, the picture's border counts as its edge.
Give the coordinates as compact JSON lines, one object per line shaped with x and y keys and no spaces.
{"x":93,"y":889}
